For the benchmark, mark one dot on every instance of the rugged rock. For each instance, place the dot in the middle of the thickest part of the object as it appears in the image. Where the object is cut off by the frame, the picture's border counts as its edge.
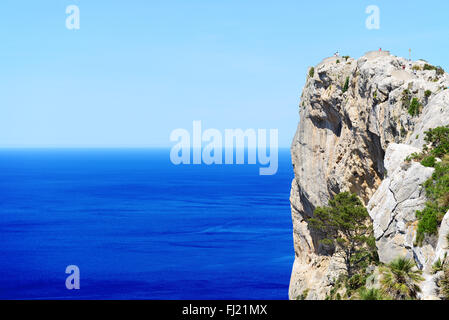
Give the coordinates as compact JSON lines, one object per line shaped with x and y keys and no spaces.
{"x":351,"y":111}
{"x":394,"y":204}
{"x":432,"y":254}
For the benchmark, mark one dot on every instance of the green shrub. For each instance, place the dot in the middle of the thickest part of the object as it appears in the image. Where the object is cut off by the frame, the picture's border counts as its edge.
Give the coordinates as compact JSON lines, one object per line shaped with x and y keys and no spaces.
{"x":311,"y":72}
{"x":400,"y":279}
{"x":439,"y":70}
{"x":356,"y":281}
{"x":438,"y":266}
{"x":337,"y":286}
{"x":437,"y":186}
{"x":338,"y":61}
{"x":437,"y":191}
{"x":429,"y":161}
{"x":438,"y":138}
{"x":415,"y":107}
{"x":303,"y":295}
{"x":405,"y":99}
{"x":371,"y":294}
{"x":428,"y":222}
{"x":416,"y":67}
{"x":414,"y":156}
{"x":346,"y":85}
{"x":443,"y":283}
{"x":427,"y":93}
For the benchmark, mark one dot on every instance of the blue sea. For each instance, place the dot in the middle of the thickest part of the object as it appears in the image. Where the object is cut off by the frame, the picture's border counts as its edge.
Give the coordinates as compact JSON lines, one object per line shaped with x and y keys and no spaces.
{"x":139,"y":227}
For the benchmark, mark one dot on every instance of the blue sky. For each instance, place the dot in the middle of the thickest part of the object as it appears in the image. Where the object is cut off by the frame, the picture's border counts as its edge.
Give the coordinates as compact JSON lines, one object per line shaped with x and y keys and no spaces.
{"x":136,"y":70}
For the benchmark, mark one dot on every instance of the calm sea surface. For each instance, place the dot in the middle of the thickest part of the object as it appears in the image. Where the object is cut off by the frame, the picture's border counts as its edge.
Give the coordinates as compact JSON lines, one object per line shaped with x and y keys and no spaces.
{"x":139,"y":227}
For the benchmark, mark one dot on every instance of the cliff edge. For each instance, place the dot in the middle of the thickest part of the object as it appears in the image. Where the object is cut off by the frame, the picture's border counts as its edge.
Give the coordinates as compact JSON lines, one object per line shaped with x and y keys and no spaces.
{"x":356,"y":128}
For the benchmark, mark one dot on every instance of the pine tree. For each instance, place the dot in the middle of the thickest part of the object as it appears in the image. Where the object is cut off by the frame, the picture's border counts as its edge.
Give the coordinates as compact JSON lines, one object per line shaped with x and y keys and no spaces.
{"x":345,"y":224}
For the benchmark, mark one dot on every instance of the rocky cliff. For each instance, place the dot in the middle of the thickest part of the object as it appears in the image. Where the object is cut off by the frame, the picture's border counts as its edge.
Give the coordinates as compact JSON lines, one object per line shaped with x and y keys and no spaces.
{"x":356,"y":128}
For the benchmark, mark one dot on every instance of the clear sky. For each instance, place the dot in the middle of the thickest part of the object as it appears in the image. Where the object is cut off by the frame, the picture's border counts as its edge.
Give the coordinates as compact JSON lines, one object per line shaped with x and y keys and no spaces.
{"x":138,"y":69}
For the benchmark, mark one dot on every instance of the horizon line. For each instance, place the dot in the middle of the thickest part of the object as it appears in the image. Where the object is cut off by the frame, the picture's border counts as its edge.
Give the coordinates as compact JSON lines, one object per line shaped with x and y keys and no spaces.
{"x":111,"y":147}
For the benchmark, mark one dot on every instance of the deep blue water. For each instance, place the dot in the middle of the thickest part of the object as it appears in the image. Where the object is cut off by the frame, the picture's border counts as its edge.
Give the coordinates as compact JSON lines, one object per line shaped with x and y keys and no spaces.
{"x":140,"y":227}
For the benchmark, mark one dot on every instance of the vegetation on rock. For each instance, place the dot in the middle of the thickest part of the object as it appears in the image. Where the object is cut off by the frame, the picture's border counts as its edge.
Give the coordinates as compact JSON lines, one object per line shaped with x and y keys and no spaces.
{"x":303,"y":295}
{"x":346,"y":85}
{"x":400,"y":279}
{"x":439,"y":265}
{"x":311,"y":72}
{"x":442,"y":281}
{"x":346,"y":224}
{"x":371,"y":294}
{"x":443,"y":284}
{"x":415,"y":107}
{"x":437,"y":187}
{"x":406,"y":98}
{"x":412,"y":104}
{"x":439,"y":70}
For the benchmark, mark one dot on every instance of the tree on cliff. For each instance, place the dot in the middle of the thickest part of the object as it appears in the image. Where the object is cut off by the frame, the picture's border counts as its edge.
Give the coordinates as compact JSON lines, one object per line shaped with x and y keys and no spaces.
{"x":345,"y":224}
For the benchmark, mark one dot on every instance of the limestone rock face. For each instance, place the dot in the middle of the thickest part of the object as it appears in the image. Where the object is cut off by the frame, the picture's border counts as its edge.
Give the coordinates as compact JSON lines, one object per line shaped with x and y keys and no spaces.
{"x":351,"y":111}
{"x":394,"y":204}
{"x":436,"y":114}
